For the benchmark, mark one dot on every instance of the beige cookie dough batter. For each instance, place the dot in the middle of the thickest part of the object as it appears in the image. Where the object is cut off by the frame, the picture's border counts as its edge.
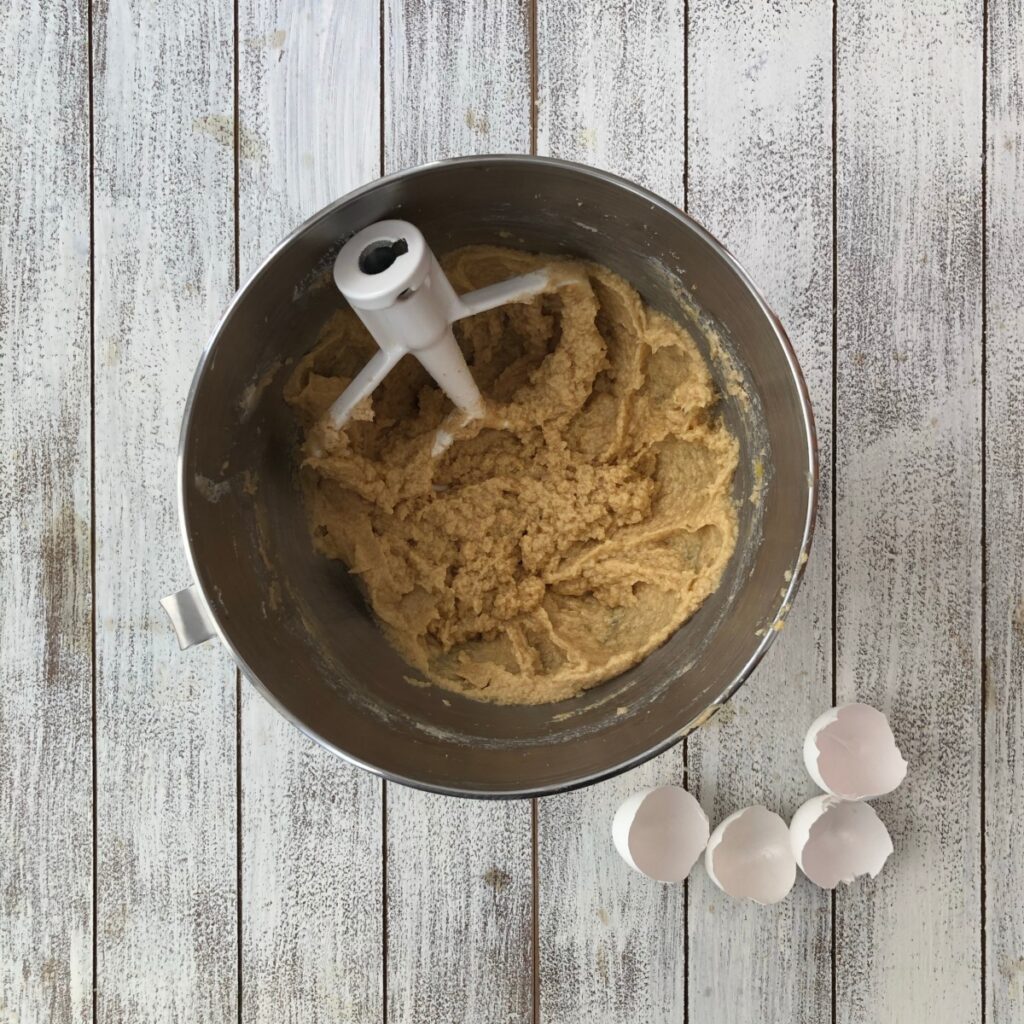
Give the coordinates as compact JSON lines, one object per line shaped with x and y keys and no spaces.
{"x":558,"y":543}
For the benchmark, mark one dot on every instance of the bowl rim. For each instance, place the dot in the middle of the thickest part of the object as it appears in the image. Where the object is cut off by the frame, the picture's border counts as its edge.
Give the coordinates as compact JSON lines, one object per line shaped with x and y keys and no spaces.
{"x":810,"y":437}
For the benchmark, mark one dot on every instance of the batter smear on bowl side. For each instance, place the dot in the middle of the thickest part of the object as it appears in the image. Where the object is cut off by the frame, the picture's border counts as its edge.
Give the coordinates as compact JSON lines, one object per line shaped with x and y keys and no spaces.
{"x":561,"y":539}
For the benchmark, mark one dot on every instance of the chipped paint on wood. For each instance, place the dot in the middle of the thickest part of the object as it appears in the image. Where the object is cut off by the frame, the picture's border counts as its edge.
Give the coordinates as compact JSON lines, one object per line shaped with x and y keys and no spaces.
{"x":610,"y":90}
{"x":46,"y":604}
{"x":1004,"y":578}
{"x":459,"y":909}
{"x":456,"y":79}
{"x":312,"y":916}
{"x":165,"y":719}
{"x":908,"y":499}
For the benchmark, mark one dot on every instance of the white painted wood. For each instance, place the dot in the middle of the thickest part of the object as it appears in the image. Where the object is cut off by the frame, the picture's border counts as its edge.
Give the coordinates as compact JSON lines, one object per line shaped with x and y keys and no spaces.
{"x":45,"y":512}
{"x":459,"y":894}
{"x":611,"y":943}
{"x":1004,"y":578}
{"x":459,"y":879}
{"x":760,"y":178}
{"x":309,"y":112}
{"x":610,"y":88}
{"x":456,"y":79}
{"x":908,"y":490}
{"x":312,"y":916}
{"x":165,"y":740}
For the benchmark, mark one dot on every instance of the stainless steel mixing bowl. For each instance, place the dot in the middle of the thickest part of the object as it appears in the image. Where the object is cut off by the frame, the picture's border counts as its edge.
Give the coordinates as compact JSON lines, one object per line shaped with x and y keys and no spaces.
{"x":296,"y":622}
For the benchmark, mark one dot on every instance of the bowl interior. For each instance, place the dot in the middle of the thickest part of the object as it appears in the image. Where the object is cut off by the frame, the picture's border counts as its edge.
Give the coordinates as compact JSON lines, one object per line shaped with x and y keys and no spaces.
{"x":297,"y":623}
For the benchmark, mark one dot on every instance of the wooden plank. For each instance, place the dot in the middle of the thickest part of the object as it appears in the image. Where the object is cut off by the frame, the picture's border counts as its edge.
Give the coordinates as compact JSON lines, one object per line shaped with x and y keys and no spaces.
{"x":610,"y":88}
{"x":459,"y":873}
{"x":908,"y":494}
{"x":45,"y":517}
{"x":760,"y":178}
{"x":1004,"y":576}
{"x":457,"y":79}
{"x":612,"y":945}
{"x":164,"y":254}
{"x":308,"y":82}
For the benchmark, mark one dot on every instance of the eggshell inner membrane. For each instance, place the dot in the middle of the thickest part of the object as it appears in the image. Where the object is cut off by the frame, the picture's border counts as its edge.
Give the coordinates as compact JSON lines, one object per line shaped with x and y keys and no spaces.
{"x":847,"y":840}
{"x":752,"y":857}
{"x":668,"y":833}
{"x":857,"y":757}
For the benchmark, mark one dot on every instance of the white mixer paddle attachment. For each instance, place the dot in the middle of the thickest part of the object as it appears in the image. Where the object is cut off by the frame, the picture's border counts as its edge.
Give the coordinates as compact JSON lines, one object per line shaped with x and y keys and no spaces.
{"x":392,"y":280}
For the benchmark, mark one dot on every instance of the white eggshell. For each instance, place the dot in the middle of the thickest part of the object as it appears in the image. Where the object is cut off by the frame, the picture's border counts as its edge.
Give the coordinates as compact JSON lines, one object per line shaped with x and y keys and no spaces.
{"x":749,"y":855}
{"x":836,"y":840}
{"x":661,"y":832}
{"x":850,"y":752}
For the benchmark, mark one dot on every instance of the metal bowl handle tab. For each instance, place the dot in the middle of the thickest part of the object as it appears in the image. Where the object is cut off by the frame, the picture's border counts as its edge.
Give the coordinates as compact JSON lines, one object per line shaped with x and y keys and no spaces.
{"x":189,"y":616}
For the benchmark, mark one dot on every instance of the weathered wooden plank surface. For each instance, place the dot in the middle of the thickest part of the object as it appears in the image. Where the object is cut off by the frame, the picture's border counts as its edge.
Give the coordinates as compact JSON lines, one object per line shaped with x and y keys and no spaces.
{"x":908,"y":490}
{"x":760,"y":178}
{"x":459,"y":881}
{"x":165,"y":720}
{"x":1004,"y":577}
{"x":312,"y":920}
{"x":456,"y":79}
{"x":610,"y":88}
{"x":45,"y":513}
{"x":611,"y":944}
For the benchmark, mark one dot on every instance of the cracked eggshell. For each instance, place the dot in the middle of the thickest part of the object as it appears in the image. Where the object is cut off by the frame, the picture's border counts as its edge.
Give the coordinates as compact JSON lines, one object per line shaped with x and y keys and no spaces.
{"x":661,"y":832}
{"x":836,"y":840}
{"x":850,"y":752}
{"x":749,"y":855}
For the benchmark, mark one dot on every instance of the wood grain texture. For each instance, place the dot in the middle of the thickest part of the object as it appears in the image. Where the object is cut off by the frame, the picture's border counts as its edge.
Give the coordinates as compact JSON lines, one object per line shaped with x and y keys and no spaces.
{"x":164,"y":253}
{"x":612,"y":944}
{"x":312,"y":917}
{"x":610,"y":88}
{"x":456,"y":79}
{"x":908,"y":497}
{"x":610,"y":84}
{"x":459,"y":892}
{"x":760,"y":178}
{"x":45,"y":513}
{"x":459,"y":873}
{"x":1004,"y":578}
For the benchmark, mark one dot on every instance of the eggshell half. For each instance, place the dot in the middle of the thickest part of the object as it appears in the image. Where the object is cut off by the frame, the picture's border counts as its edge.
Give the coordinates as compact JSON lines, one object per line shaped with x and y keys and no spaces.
{"x":836,"y":840}
{"x":850,"y":752}
{"x":661,"y":832}
{"x":749,"y":855}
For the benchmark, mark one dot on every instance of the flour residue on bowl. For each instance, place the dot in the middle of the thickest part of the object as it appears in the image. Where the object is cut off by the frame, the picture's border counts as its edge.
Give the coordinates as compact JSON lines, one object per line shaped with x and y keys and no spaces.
{"x":561,"y":540}
{"x":252,"y":393}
